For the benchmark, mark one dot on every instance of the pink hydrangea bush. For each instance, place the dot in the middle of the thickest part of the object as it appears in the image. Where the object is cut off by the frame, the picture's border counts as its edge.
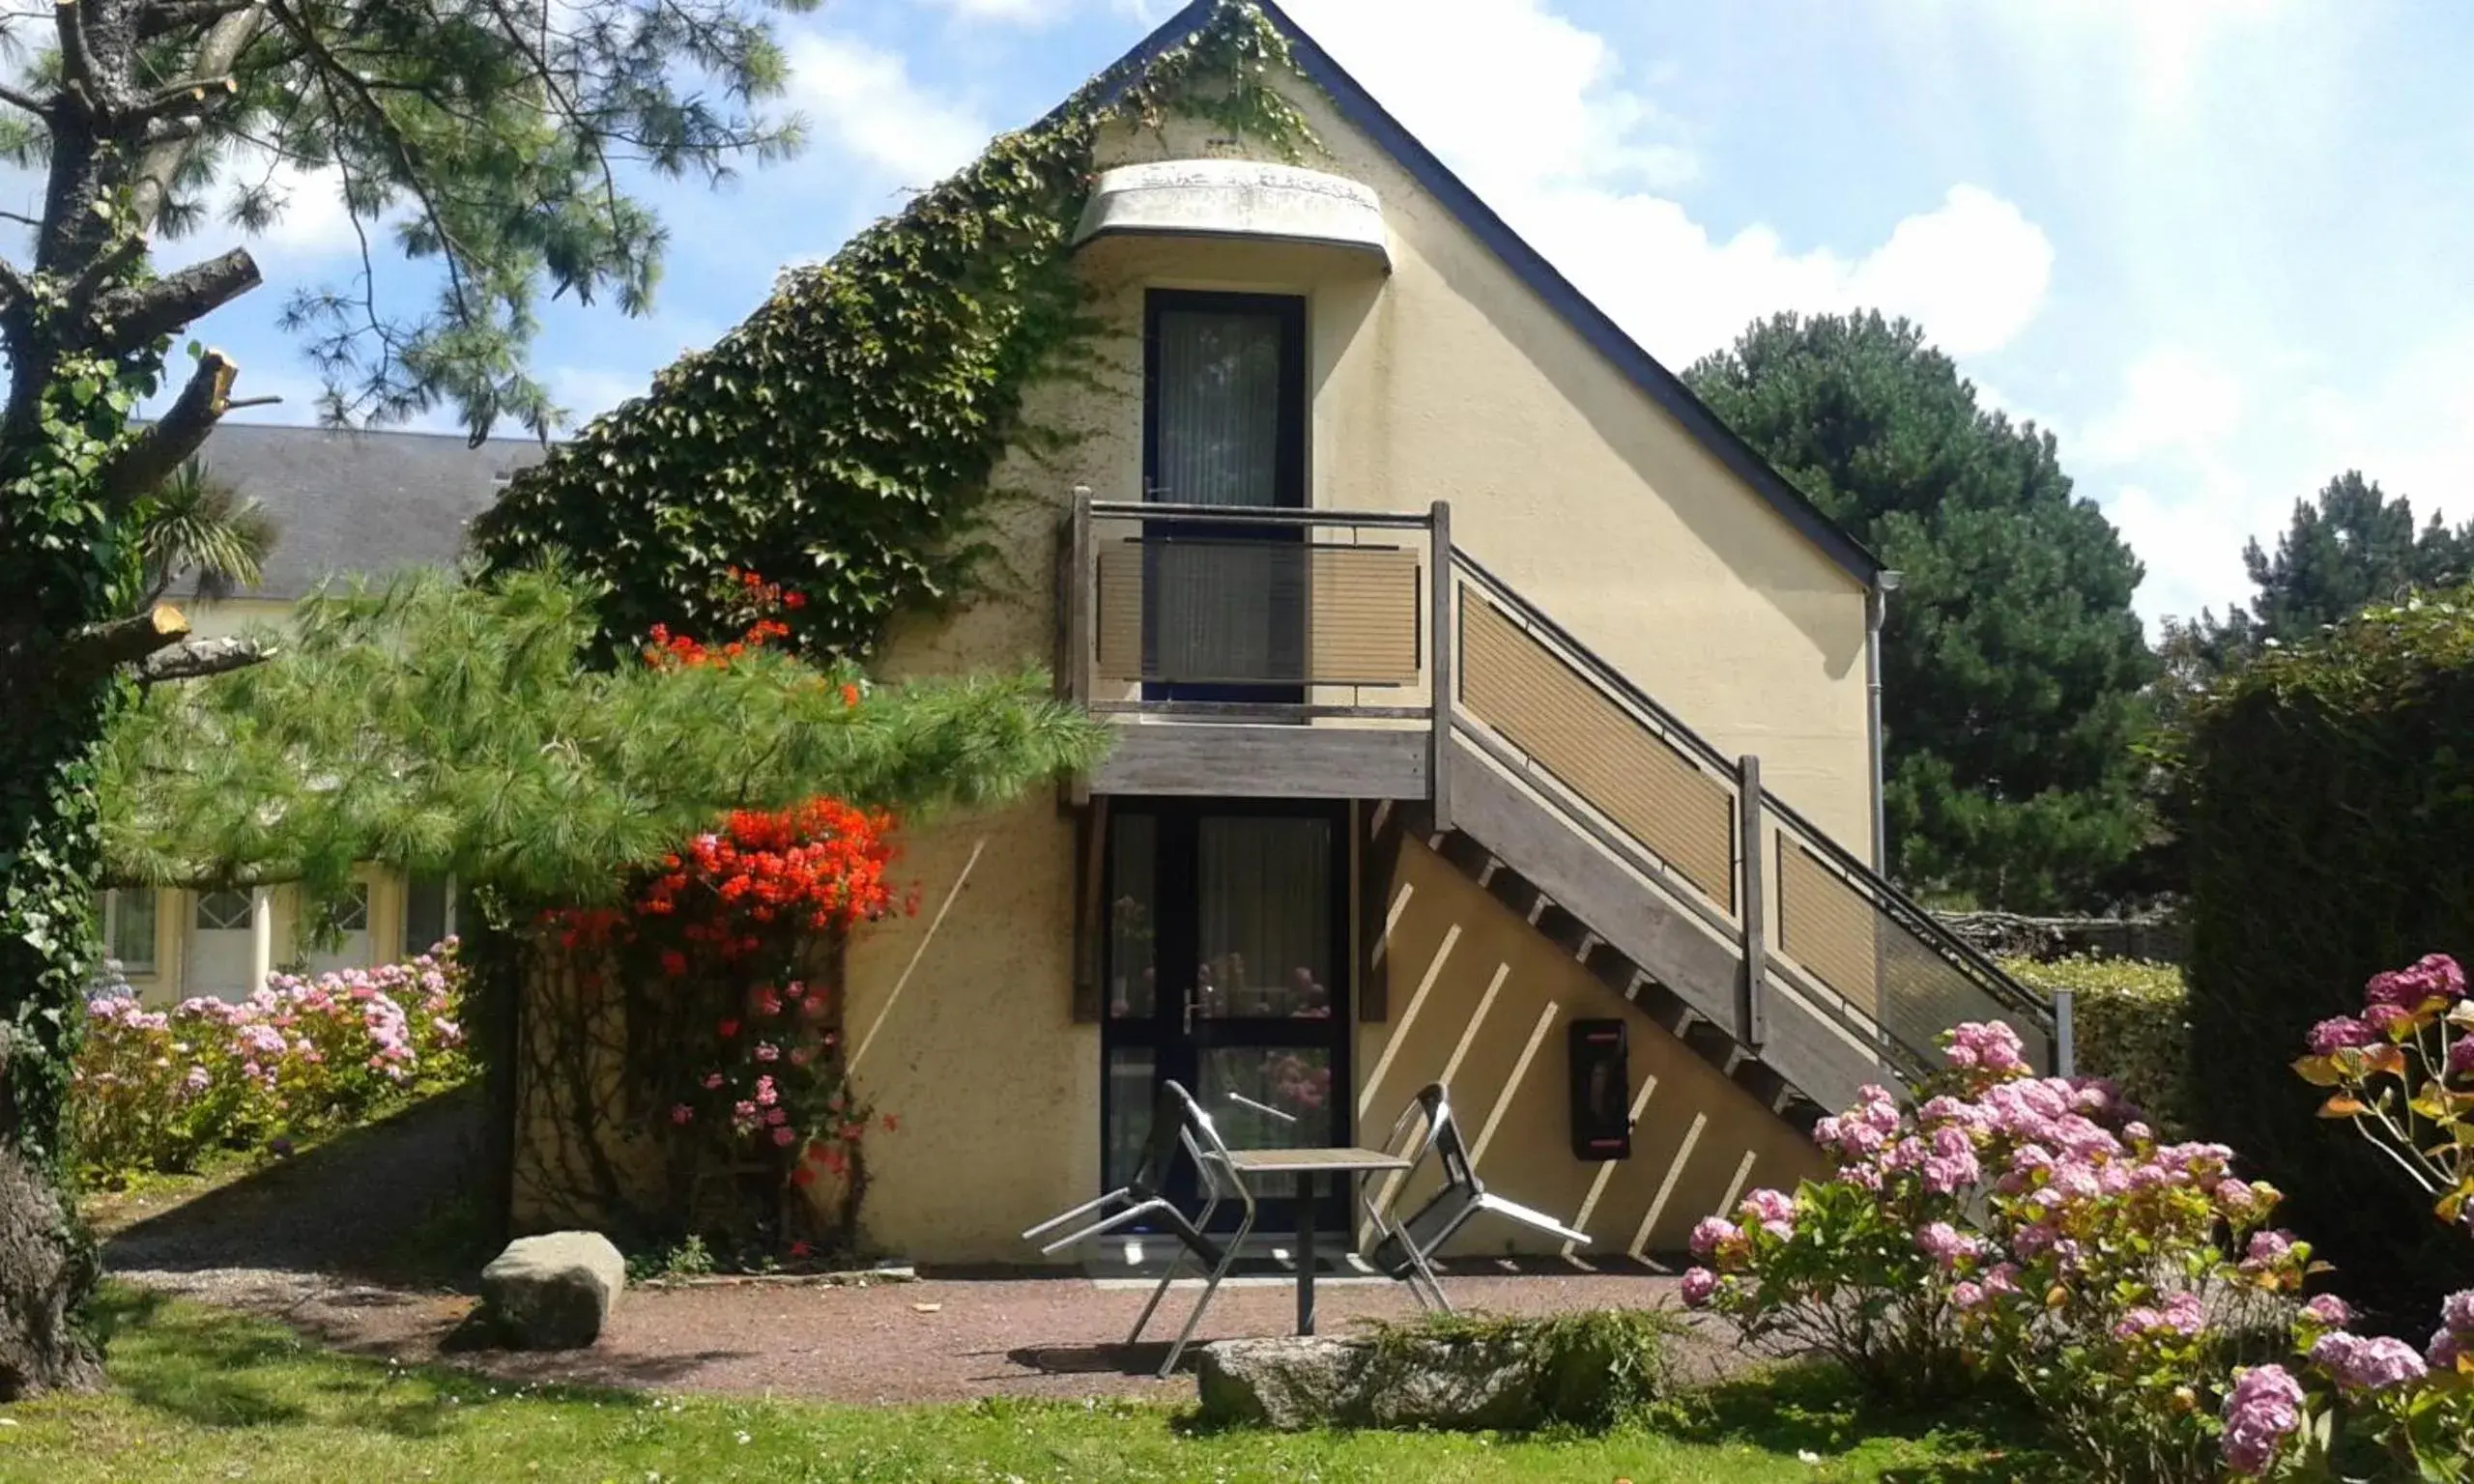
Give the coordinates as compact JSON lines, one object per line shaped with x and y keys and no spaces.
{"x":2023,"y":1228}
{"x":153,"y":1090}
{"x":2401,"y":1071}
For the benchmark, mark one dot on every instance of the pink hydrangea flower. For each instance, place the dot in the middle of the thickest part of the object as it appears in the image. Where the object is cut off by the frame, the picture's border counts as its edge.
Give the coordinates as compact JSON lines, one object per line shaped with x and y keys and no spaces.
{"x":2329,"y":1310}
{"x":2373,"y":1364}
{"x":782,"y":1138}
{"x":2264,"y":1410}
{"x":2456,"y":1312}
{"x":2337,"y":1033}
{"x":2267,"y":1249}
{"x":1699,"y":1284}
{"x":1946,"y":1244}
{"x":1709,"y":1233}
{"x":2432,"y":977}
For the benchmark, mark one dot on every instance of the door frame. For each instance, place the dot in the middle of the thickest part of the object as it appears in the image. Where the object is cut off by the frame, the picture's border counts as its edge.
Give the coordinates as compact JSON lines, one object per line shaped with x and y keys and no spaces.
{"x":1176,"y":1052}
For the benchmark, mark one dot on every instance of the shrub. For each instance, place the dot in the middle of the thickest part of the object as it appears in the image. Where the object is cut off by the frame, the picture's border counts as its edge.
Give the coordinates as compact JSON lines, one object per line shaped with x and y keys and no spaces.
{"x":154,"y":1089}
{"x":2402,"y":1073}
{"x":2331,"y":834}
{"x":2031,"y":1229}
{"x":2132,"y":1023}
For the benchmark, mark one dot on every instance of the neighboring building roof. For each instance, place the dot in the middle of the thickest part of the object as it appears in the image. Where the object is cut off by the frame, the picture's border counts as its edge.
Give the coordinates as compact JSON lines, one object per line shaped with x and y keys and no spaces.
{"x":347,"y":501}
{"x":1358,"y":108}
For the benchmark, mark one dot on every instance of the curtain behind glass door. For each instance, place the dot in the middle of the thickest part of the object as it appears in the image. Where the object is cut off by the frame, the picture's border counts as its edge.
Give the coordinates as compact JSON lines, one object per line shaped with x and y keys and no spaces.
{"x":1228,"y":608}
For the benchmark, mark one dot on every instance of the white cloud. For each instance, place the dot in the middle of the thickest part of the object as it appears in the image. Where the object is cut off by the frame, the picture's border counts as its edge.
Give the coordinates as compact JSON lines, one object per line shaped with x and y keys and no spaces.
{"x":2173,"y":401}
{"x":2197,"y":477}
{"x":1533,"y":111}
{"x":1506,"y":91}
{"x":864,"y":103}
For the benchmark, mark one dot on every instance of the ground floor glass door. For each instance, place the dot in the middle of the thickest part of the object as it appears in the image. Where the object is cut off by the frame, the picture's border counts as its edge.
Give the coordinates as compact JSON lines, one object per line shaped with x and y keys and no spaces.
{"x":1227,"y":971}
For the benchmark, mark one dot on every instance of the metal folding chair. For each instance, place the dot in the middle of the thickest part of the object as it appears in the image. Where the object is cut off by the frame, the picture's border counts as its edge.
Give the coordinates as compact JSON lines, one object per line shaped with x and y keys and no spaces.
{"x":1408,"y":1247}
{"x":1177,"y":1123}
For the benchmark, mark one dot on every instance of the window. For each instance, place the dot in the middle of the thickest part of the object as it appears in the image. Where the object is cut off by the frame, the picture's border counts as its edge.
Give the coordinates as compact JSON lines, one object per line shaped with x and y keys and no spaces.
{"x":427,"y":914}
{"x":222,"y":911}
{"x":129,"y":927}
{"x":351,"y":912}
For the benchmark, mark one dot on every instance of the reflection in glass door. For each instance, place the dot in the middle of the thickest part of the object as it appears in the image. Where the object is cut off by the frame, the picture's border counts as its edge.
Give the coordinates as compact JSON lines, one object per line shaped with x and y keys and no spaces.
{"x":1227,"y":971}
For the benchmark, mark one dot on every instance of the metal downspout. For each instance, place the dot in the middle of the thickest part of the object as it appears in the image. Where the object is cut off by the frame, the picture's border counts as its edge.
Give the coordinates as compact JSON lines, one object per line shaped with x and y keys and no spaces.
{"x":1876,"y":604}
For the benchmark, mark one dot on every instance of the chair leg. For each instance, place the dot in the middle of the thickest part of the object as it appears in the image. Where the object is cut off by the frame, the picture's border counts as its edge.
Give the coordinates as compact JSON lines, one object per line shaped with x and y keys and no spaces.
{"x":1228,"y":1260}
{"x":1429,"y":1296}
{"x":1151,"y":1306}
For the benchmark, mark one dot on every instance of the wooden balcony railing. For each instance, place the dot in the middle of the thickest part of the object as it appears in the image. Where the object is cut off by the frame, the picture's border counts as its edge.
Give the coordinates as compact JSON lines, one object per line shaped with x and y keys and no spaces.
{"x":1217,"y":612}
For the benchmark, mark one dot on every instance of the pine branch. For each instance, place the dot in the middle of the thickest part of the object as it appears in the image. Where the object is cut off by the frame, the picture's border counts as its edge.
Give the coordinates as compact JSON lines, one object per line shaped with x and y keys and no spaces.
{"x":100,"y":646}
{"x":130,"y":318}
{"x":76,"y":49}
{"x":164,"y":18}
{"x":151,"y":184}
{"x":198,"y":658}
{"x":178,"y":433}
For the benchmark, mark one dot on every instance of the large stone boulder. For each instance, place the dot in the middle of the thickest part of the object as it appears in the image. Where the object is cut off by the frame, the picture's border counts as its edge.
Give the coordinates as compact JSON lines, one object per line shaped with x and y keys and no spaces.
{"x":553,"y":1291}
{"x":1398,"y":1381}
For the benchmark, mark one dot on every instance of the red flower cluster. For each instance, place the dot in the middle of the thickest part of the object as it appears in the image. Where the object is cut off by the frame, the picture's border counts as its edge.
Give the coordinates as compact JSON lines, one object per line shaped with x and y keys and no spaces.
{"x":819,"y":866}
{"x":752,"y":601}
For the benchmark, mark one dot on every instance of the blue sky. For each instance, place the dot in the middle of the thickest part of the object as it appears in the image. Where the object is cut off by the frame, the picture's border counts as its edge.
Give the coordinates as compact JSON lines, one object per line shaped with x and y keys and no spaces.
{"x":2219,"y":246}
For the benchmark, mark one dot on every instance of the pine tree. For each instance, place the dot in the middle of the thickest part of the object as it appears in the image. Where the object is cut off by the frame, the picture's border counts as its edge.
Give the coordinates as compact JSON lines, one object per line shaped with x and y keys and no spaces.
{"x":2350,"y":546}
{"x":2012,"y":662}
{"x":446,"y":727}
{"x":484,"y":142}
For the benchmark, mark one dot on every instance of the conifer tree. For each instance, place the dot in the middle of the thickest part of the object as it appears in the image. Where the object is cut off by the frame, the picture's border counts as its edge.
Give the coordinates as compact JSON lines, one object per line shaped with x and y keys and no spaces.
{"x":483,"y":140}
{"x":2012,"y":663}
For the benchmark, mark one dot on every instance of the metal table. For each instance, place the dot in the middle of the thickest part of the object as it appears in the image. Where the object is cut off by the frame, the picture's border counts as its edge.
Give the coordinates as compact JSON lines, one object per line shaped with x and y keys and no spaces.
{"x":1308,"y":1166}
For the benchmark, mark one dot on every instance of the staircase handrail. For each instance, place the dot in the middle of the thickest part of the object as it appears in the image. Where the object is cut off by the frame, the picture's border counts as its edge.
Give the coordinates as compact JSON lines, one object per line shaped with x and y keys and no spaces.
{"x":1884,"y":895}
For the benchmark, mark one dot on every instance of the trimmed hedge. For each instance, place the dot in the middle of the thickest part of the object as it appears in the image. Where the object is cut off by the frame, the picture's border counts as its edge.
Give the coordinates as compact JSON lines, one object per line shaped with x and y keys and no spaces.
{"x":2132,"y":1022}
{"x":2331,"y":835}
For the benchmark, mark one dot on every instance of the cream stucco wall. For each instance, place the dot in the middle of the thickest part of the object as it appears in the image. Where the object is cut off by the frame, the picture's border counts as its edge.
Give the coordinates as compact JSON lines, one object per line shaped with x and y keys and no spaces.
{"x":1481,"y":1002}
{"x":1446,"y":379}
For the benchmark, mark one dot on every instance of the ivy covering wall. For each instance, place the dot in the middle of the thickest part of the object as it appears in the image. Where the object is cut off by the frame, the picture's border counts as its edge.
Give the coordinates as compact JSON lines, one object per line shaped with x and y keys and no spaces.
{"x":2331,"y":837}
{"x":846,"y":438}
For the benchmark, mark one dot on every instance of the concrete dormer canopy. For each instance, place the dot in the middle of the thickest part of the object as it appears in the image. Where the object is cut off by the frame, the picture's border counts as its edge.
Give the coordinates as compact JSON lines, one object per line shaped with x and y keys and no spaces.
{"x":1236,"y":198}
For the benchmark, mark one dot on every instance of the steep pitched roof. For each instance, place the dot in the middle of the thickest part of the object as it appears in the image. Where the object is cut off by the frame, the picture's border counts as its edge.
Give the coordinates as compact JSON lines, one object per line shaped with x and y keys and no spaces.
{"x":358,"y":501}
{"x":1359,"y":108}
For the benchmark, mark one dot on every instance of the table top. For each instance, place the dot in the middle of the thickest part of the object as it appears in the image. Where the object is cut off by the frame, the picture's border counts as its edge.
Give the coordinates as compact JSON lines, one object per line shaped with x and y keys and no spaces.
{"x":1312,"y":1161}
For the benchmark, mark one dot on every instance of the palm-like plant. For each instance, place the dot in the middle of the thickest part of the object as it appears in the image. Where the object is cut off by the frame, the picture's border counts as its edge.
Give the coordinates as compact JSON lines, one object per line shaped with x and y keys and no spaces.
{"x":196,"y":523}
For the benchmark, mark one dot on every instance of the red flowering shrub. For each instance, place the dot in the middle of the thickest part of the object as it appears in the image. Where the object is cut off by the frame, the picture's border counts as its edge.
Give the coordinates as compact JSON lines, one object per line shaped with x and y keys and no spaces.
{"x":730,"y":955}
{"x":723,"y":969}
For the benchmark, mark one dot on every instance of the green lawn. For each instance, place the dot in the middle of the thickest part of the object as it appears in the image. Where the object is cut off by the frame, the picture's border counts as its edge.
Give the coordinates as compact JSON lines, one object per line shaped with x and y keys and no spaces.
{"x":206,"y":1395}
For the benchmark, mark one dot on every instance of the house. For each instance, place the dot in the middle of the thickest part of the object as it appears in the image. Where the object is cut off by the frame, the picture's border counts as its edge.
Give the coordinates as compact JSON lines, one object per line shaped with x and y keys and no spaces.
{"x":342,"y":501}
{"x":1485,"y":711}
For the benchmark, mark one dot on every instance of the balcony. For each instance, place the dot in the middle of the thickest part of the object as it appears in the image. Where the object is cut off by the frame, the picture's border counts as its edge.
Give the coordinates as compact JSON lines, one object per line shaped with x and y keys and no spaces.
{"x":1255,"y":652}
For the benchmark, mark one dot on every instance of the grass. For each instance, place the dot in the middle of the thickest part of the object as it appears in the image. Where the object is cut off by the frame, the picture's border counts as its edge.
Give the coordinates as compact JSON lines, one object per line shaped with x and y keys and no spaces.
{"x":203,"y":1393}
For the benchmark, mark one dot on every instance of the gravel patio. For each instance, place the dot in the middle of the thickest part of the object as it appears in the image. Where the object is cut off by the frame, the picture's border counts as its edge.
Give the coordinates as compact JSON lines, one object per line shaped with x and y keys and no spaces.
{"x":318,"y":1241}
